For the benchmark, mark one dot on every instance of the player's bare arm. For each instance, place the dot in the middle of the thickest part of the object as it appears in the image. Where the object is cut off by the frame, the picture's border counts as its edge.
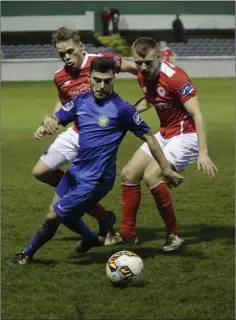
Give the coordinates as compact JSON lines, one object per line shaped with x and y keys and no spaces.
{"x":204,"y":162}
{"x":50,"y":124}
{"x":143,"y":105}
{"x":128,"y":66}
{"x":172,"y":177}
{"x":41,"y":132}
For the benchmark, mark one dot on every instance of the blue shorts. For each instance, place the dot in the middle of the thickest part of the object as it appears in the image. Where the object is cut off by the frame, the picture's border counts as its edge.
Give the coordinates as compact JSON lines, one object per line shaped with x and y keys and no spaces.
{"x":76,"y":196}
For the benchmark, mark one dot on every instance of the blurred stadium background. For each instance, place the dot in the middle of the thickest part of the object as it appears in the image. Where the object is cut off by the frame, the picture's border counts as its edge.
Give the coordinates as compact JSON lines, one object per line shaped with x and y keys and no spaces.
{"x":208,"y":50}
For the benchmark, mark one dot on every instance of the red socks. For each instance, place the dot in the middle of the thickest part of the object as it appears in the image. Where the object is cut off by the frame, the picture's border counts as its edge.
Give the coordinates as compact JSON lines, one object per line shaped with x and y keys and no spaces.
{"x":162,"y":198}
{"x":130,"y":200}
{"x":97,"y":211}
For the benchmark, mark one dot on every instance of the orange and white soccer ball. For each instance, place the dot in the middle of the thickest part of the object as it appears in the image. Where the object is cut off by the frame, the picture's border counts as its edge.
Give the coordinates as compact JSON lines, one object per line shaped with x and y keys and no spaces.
{"x":125,"y":267}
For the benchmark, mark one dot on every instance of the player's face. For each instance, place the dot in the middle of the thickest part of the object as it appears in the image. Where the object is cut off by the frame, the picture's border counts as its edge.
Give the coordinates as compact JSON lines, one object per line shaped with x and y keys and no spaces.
{"x":163,"y":44}
{"x":148,"y":65}
{"x":71,"y":53}
{"x":101,"y":84}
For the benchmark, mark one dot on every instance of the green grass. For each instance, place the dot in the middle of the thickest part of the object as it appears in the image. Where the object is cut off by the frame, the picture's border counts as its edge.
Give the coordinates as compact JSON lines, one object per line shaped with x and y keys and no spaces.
{"x":198,"y":283}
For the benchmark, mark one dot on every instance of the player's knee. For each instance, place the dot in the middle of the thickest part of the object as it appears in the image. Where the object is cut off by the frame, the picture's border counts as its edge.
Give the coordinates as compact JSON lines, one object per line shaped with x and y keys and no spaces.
{"x":40,"y":173}
{"x":152,"y":177}
{"x":51,"y":213}
{"x":129,"y":176}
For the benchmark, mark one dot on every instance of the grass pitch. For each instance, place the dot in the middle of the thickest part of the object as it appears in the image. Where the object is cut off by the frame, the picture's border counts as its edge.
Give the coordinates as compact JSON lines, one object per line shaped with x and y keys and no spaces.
{"x":196,"y":284}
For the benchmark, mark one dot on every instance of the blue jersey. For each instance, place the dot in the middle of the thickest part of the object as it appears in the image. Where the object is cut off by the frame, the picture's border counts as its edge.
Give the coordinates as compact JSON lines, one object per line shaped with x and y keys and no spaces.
{"x":102,"y":126}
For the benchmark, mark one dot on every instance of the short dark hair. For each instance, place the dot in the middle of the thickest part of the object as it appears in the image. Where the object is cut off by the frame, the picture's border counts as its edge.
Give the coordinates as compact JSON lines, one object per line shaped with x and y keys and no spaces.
{"x":102,"y":64}
{"x":64,"y":34}
{"x":142,"y":45}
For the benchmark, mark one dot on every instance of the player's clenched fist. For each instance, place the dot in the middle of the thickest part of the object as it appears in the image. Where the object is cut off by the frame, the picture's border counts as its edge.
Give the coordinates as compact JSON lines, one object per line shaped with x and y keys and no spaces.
{"x":40,"y":133}
{"x":173,"y":179}
{"x":50,"y":124}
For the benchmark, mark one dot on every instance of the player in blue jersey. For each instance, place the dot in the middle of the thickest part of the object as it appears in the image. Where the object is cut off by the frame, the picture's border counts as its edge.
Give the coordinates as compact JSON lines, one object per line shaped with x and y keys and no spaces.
{"x":103,"y":118}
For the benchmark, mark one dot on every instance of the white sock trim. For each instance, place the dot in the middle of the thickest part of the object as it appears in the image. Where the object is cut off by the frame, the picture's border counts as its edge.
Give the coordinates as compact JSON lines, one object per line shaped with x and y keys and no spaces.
{"x":155,"y":185}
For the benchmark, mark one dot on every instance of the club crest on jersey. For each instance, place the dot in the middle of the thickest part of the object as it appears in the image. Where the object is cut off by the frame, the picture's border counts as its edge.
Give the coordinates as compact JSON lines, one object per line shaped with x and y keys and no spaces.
{"x":137,"y":118}
{"x":68,"y":106}
{"x":161,"y":91}
{"x":103,"y":121}
{"x":186,"y":89}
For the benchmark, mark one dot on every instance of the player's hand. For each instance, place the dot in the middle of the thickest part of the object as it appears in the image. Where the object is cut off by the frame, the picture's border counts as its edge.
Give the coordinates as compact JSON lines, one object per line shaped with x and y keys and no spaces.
{"x":50,"y":124}
{"x":204,"y":162}
{"x":172,"y":178}
{"x":40,"y":133}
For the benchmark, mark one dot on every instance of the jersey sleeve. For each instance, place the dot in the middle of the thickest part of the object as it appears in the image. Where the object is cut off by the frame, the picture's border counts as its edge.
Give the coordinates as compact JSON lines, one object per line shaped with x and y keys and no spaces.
{"x":116,"y":59}
{"x":130,"y":120}
{"x":182,"y":86}
{"x":62,"y":97}
{"x":68,"y":112}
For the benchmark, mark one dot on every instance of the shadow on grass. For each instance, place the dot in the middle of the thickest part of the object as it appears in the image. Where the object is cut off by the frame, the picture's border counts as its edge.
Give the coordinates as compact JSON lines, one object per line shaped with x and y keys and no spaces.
{"x":191,"y":233}
{"x":101,"y":257}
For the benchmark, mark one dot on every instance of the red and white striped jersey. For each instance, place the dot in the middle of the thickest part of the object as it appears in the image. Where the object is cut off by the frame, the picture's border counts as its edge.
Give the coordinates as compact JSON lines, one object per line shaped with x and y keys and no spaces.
{"x":168,"y":92}
{"x":70,"y":85}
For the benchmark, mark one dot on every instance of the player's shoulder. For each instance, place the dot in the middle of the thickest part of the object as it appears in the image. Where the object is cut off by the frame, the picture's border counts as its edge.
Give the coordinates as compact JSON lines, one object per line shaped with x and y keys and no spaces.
{"x":119,"y":102}
{"x":89,"y":57}
{"x":62,"y":76}
{"x":60,"y":73}
{"x":171,"y":72}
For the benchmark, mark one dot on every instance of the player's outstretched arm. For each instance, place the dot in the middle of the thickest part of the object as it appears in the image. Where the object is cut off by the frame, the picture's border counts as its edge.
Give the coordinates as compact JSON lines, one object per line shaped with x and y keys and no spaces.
{"x":40,"y":133}
{"x":203,"y":162}
{"x":128,"y":66}
{"x":142,"y":105}
{"x":58,"y":105}
{"x":173,"y":178}
{"x":50,"y":124}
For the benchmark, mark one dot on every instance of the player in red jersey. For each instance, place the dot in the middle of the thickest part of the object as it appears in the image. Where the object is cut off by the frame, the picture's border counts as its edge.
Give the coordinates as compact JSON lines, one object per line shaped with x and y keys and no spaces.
{"x":182,"y":137}
{"x":71,"y":80}
{"x":167,"y":53}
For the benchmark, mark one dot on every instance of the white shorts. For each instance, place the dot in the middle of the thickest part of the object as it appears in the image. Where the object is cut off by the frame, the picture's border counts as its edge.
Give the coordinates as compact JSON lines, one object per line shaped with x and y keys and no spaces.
{"x":181,"y":150}
{"x":63,"y":150}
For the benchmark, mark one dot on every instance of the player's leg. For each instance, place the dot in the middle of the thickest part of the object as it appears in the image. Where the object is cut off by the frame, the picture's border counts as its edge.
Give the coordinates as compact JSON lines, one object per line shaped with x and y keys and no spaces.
{"x":154,"y":179}
{"x":45,"y":232}
{"x":131,"y":176}
{"x":71,"y":208}
{"x":180,"y":151}
{"x":62,"y":151}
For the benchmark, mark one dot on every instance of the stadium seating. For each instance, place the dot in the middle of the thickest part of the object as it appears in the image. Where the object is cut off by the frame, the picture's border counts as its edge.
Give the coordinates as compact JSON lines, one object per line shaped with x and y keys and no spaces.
{"x":194,"y":47}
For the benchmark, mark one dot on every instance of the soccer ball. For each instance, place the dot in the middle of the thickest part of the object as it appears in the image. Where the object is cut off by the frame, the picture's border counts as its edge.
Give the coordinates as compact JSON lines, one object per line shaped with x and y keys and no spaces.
{"x":124,"y":267}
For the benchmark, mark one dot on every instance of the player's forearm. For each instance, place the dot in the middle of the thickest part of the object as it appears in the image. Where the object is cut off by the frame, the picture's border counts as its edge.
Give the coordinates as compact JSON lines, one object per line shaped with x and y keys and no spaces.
{"x":201,"y":132}
{"x":57,"y":106}
{"x":142,"y":105}
{"x":128,"y":66}
{"x":157,"y":152}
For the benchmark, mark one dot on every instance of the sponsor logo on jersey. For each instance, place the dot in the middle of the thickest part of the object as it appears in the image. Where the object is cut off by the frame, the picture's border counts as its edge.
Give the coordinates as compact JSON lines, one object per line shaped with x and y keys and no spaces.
{"x":68,"y":106}
{"x":163,"y":107}
{"x":103,"y":121}
{"x":186,"y":89}
{"x":67,"y":83}
{"x":81,"y":89}
{"x":137,"y":118}
{"x":161,"y":91}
